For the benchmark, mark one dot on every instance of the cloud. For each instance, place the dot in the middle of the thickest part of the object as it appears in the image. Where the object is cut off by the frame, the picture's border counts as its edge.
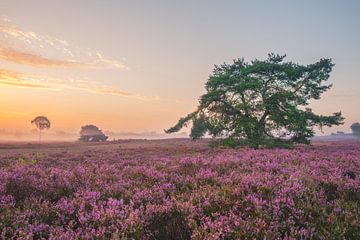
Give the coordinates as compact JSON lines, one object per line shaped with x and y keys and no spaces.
{"x":16,"y":79}
{"x":19,"y":57}
{"x":25,"y":85}
{"x":116,"y":92}
{"x":40,"y":50}
{"x":113,"y":92}
{"x":30,"y":48}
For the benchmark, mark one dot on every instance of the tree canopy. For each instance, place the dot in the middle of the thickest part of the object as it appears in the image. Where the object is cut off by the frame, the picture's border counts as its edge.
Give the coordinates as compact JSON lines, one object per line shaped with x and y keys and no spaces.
{"x":261,"y":103}
{"x":41,"y":123}
{"x":91,"y":133}
{"x":355,"y":128}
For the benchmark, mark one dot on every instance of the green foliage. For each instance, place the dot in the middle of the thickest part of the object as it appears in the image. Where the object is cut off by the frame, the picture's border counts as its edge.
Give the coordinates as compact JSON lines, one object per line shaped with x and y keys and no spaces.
{"x":38,"y":156}
{"x":261,"y":103}
{"x":24,"y":161}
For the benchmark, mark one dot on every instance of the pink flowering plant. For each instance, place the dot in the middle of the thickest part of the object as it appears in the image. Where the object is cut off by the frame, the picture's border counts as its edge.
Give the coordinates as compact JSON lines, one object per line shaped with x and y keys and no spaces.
{"x":182,"y":192}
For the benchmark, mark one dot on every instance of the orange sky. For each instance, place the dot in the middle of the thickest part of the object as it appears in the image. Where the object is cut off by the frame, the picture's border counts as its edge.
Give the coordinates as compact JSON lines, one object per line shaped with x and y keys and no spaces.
{"x":136,"y":67}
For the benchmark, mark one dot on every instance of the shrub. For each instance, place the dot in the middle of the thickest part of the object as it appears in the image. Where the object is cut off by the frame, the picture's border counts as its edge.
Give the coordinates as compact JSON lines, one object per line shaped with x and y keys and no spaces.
{"x":168,"y":226}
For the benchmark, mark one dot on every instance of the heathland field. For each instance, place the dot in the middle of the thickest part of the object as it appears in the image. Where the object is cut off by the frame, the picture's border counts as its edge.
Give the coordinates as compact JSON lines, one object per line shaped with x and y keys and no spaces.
{"x":177,"y":189}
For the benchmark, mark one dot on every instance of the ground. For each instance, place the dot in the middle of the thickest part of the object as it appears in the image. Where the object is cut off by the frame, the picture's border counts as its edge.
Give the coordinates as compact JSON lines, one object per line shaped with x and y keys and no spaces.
{"x":179,"y":189}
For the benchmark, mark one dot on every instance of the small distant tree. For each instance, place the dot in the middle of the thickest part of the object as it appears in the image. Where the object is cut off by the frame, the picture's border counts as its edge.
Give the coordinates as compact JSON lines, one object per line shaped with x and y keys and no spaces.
{"x":355,"y":128}
{"x":41,"y":123}
{"x":91,"y":133}
{"x":261,"y":103}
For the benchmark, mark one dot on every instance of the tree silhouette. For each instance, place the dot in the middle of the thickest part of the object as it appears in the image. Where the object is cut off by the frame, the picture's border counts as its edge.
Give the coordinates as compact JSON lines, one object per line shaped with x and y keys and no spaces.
{"x":261,"y":103}
{"x":91,"y":133}
{"x":355,"y":128}
{"x":41,"y":123}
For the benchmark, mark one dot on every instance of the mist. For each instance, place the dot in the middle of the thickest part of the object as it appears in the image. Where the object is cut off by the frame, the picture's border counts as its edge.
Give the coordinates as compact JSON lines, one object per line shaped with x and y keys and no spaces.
{"x":69,"y":136}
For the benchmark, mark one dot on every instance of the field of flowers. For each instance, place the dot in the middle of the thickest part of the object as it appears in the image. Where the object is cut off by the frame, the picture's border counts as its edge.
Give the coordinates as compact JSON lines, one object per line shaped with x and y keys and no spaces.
{"x":175,"y":189}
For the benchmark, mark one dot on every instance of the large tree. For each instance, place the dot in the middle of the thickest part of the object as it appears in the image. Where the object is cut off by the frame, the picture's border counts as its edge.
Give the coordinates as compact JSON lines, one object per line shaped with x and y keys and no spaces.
{"x":262,"y":102}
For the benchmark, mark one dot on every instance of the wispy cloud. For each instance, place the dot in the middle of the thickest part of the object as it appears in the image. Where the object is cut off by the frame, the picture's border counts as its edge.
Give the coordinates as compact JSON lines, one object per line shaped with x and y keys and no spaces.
{"x":116,"y":92}
{"x":16,"y":79}
{"x":19,"y":57}
{"x":40,"y":50}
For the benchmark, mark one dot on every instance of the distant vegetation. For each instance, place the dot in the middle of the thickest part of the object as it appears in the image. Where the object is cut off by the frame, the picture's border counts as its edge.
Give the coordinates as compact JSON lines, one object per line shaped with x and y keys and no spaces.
{"x":355,"y":128}
{"x":261,"y":103}
{"x":91,"y":133}
{"x":41,"y":123}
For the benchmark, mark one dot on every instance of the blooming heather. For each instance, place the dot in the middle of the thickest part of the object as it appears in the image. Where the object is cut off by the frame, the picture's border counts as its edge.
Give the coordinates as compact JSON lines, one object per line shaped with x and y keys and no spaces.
{"x":181,"y":192}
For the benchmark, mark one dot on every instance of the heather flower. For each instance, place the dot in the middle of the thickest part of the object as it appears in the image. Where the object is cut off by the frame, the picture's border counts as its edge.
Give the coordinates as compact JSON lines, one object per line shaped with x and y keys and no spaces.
{"x":191,"y":192}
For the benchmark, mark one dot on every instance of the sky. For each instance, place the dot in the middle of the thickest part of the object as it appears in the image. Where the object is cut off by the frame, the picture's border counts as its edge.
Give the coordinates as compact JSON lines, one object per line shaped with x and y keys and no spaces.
{"x":138,"y":66}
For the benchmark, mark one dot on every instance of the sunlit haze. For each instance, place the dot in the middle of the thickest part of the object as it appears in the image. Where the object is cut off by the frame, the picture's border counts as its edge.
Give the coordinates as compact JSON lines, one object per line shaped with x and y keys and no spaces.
{"x":136,"y":67}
